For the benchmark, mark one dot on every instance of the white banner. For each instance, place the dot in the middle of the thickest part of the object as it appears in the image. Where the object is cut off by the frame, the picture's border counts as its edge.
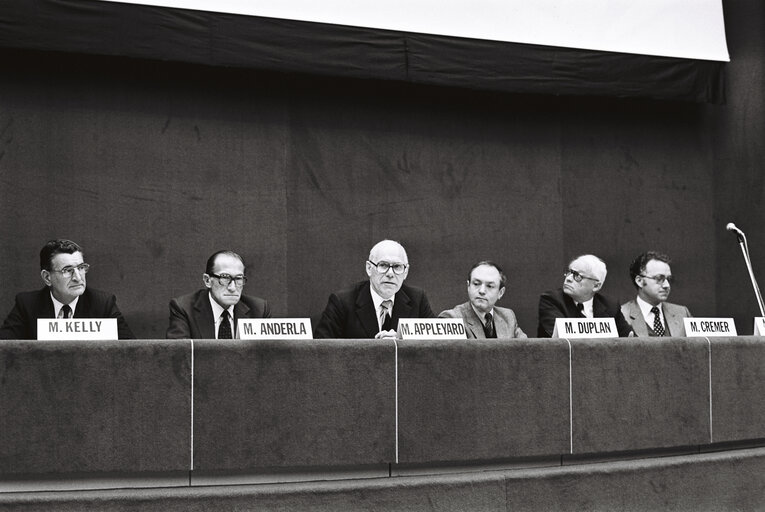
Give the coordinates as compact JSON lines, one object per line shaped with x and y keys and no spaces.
{"x":693,"y":29}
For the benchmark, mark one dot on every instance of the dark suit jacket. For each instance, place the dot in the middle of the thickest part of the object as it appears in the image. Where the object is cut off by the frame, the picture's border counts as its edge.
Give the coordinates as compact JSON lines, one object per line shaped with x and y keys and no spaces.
{"x":504,"y":322}
{"x":21,"y":322}
{"x":556,"y":304}
{"x":350,"y":313}
{"x":191,"y":315}
{"x":673,"y":316}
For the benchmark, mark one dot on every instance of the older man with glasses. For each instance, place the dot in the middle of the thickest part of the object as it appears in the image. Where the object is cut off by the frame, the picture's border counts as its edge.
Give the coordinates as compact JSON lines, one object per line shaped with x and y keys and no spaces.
{"x":212,"y":312}
{"x":579,"y":297}
{"x":371,"y":308}
{"x":649,"y":313}
{"x":65,"y":295}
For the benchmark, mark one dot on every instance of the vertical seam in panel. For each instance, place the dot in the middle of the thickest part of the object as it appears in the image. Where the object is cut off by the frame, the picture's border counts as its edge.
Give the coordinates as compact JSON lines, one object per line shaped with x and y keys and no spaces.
{"x":395,"y":372}
{"x":570,"y":399}
{"x":191,"y":429}
{"x":709,"y":364}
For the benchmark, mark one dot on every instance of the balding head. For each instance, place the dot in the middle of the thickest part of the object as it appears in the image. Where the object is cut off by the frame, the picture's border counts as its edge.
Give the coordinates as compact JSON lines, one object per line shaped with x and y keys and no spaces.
{"x":390,"y":257}
{"x":585,"y":277}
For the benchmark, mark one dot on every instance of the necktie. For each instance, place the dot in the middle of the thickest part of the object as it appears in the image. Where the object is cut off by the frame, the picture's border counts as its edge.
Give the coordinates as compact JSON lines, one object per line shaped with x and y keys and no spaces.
{"x":224,"y":329}
{"x":385,"y":321}
{"x":66,"y":311}
{"x":657,"y":327}
{"x":488,"y":327}
{"x":580,"y":307}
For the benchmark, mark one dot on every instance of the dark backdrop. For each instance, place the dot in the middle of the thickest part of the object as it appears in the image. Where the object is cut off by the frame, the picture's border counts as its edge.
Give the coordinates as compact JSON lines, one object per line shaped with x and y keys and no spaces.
{"x":152,"y":166}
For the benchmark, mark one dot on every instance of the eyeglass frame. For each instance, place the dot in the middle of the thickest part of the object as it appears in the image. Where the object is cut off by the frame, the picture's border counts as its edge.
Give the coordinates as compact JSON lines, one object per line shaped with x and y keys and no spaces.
{"x":575,"y":273}
{"x":68,"y":271}
{"x":660,"y":278}
{"x":390,"y":267}
{"x":230,"y":279}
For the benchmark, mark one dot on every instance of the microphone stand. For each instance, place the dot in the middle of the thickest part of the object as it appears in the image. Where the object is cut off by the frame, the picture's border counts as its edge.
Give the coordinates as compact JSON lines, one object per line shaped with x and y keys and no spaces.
{"x":745,"y":251}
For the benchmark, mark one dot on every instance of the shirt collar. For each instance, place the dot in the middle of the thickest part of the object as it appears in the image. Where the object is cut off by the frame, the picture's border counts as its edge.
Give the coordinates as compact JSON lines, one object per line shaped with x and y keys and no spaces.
{"x":218,"y":309}
{"x":588,"y":310}
{"x":58,"y":305}
{"x":482,"y":316}
{"x":377,"y":300}
{"x":645,"y":308}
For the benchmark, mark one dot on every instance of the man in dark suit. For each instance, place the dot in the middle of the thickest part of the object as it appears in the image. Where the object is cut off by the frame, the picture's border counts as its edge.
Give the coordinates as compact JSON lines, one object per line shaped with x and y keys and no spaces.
{"x":485,"y":286}
{"x":649,"y":313}
{"x":371,"y":309}
{"x":65,"y":295}
{"x":579,"y":298}
{"x":212,"y":312}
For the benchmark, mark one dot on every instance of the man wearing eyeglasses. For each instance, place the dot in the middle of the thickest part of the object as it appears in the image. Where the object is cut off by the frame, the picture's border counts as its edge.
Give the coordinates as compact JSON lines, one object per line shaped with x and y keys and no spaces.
{"x":212,"y":312}
{"x":649,"y":313}
{"x":485,"y":286}
{"x":371,"y":308}
{"x":65,"y":295}
{"x":579,"y":297}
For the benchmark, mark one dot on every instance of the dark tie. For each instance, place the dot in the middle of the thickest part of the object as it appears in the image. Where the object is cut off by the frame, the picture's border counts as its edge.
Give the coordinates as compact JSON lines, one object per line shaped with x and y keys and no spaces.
{"x":580,"y":307}
{"x":66,"y":311}
{"x":385,"y":320}
{"x":224,"y":329}
{"x":657,"y":327}
{"x":488,"y":328}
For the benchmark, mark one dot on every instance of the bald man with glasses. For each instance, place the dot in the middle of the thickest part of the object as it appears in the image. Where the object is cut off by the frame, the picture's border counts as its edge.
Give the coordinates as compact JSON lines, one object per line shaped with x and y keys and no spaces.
{"x":65,"y":295}
{"x":579,"y":297}
{"x":213,"y":311}
{"x":371,"y":308}
{"x":649,"y":313}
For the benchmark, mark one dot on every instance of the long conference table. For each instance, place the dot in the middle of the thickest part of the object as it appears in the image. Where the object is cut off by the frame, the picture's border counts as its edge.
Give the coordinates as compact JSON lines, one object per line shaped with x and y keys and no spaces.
{"x":567,"y":424}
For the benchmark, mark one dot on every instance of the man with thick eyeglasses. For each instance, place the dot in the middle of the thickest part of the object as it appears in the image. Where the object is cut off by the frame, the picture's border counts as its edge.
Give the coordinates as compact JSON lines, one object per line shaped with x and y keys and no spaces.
{"x":580,"y":297}
{"x":65,"y":295}
{"x":212,"y":312}
{"x":483,"y":319}
{"x":371,"y":308}
{"x":649,"y":313}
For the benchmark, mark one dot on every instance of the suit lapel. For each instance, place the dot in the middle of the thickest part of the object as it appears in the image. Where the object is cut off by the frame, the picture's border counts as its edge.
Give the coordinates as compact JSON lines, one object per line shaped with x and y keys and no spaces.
{"x":473,"y":323}
{"x":636,"y":319}
{"x":241,"y":310}
{"x":402,"y":307}
{"x":83,"y":306}
{"x":674,"y":320}
{"x":45,"y":305}
{"x":365,"y":311}
{"x":571,"y":309}
{"x":501,"y":326}
{"x":203,"y":316}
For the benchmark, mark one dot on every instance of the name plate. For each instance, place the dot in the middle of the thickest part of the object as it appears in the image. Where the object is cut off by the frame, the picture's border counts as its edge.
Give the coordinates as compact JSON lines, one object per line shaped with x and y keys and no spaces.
{"x":585,"y":328}
{"x":431,"y":329}
{"x":59,"y":329}
{"x":275,"y":329}
{"x":705,"y":327}
{"x":759,"y":326}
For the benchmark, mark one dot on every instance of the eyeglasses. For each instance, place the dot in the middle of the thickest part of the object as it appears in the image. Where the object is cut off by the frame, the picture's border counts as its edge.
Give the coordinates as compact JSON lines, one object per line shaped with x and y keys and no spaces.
{"x":577,"y":276}
{"x":225,"y":279}
{"x":660,"y":278}
{"x":383,"y":266}
{"x":68,"y":272}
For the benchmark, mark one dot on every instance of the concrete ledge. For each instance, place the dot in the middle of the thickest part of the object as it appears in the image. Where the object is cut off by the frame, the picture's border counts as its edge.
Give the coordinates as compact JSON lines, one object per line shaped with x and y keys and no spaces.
{"x":720,"y":481}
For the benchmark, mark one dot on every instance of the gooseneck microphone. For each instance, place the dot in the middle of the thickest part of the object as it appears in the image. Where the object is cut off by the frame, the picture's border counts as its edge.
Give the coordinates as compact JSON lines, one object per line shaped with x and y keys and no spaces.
{"x":745,"y":251}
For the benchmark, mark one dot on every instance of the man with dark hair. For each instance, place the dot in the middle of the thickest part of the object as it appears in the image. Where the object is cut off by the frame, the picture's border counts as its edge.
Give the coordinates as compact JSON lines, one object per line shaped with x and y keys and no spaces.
{"x":580,"y":297}
{"x":372,"y":308}
{"x":485,"y":286}
{"x":212,"y":312}
{"x":649,"y":313}
{"x":65,"y":295}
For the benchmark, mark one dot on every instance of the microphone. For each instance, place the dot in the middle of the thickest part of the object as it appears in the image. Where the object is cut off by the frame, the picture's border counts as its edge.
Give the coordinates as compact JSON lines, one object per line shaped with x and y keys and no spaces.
{"x":732,"y":227}
{"x":745,"y":251}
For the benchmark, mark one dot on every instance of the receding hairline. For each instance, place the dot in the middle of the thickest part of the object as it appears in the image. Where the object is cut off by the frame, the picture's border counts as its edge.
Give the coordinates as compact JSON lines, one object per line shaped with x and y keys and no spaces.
{"x":382,"y":243}
{"x":595,"y":264}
